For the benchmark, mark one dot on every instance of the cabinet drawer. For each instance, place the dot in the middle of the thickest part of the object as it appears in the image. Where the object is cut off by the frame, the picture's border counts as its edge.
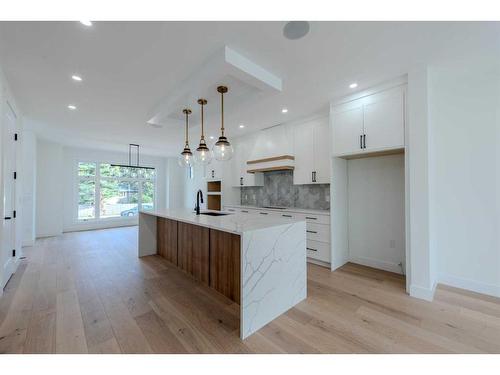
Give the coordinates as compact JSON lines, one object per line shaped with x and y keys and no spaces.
{"x":312,"y":218}
{"x":318,"y":250}
{"x":318,"y":232}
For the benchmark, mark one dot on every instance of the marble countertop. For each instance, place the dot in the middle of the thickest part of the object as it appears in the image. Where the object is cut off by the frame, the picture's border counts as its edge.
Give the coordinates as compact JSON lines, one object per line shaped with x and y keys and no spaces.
{"x":236,"y":223}
{"x":287,"y":209}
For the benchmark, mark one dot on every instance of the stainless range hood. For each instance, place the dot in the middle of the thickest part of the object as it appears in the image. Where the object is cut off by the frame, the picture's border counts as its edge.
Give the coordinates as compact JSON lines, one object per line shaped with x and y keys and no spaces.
{"x":275,"y":163}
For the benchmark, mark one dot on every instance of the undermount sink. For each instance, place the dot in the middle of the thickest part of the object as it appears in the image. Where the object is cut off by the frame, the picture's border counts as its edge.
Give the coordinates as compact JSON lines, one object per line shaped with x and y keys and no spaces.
{"x":213,"y":213}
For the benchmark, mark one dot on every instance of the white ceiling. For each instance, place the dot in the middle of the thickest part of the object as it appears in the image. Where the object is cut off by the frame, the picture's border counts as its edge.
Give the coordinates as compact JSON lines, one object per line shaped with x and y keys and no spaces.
{"x":129,"y":67}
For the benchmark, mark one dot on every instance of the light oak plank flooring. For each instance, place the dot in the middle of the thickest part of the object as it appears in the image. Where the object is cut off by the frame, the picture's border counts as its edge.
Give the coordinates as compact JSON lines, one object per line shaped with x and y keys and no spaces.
{"x":87,"y":292}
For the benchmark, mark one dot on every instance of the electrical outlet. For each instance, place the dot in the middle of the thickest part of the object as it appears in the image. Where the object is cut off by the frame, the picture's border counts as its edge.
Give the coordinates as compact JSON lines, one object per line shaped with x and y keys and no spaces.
{"x":392,"y":244}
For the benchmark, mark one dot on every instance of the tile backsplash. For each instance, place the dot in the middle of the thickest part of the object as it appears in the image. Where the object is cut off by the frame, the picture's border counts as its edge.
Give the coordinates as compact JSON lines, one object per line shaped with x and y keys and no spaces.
{"x":279,"y":190}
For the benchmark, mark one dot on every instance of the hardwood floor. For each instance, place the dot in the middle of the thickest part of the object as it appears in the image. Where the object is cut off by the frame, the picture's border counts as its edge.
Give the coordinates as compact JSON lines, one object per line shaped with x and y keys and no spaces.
{"x":88,"y":292}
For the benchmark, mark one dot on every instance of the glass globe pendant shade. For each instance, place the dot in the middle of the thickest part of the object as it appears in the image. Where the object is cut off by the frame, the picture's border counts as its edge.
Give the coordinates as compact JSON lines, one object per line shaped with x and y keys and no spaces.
{"x":222,"y":150}
{"x":185,"y":158}
{"x":203,"y":156}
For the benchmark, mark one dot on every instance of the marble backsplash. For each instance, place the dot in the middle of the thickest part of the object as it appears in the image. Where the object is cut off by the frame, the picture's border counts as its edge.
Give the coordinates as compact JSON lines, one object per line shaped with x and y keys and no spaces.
{"x":279,"y":190}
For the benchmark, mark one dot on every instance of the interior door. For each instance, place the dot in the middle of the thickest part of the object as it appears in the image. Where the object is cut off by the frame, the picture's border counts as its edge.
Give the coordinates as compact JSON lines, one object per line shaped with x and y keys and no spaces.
{"x":322,"y":151}
{"x":8,"y":192}
{"x":304,"y":149}
{"x":348,"y":127}
{"x":384,"y":120}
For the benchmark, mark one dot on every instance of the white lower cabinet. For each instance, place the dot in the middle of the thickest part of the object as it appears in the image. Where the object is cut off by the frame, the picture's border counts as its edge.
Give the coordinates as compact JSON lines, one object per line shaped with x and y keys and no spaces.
{"x":318,"y":250}
{"x":317,"y":228}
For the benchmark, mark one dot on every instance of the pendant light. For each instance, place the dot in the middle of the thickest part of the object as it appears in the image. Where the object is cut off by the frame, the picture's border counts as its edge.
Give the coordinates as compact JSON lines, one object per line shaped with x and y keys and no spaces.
{"x":186,"y":156}
{"x":202,"y":155}
{"x":223,"y":150}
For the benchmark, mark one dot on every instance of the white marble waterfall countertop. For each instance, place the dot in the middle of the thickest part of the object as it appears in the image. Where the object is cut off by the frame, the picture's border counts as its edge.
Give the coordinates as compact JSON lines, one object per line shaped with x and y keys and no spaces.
{"x":236,"y":223}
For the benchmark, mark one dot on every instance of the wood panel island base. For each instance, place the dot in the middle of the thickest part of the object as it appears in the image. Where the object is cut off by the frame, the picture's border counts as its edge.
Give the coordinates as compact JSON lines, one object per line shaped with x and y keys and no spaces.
{"x":257,"y":262}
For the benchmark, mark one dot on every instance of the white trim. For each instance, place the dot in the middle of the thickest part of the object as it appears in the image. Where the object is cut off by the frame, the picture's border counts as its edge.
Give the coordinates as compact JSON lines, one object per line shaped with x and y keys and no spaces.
{"x":472,"y":285}
{"x":318,"y":262}
{"x":375,"y":263}
{"x":399,"y":81}
{"x":423,"y":293}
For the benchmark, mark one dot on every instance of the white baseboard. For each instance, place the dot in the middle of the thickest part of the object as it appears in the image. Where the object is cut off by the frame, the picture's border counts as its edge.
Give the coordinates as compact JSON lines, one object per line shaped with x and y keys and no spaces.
{"x":422,"y":293}
{"x":318,"y":262}
{"x":472,"y":285}
{"x":375,"y":263}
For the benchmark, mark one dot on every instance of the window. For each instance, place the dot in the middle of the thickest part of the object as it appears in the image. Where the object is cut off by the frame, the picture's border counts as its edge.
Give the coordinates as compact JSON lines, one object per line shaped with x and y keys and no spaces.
{"x":106,"y":191}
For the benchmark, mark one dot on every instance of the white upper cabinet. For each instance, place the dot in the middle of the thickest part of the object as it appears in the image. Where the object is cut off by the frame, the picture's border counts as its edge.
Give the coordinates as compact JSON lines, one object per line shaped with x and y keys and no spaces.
{"x":303,"y":140}
{"x":312,"y":152}
{"x":321,"y":151}
{"x":384,"y":120}
{"x":370,"y":123}
{"x":348,"y":125}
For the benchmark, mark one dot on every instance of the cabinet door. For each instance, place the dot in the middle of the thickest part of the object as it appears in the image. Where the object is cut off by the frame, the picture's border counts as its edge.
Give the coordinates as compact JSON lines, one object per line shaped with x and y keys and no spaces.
{"x":322,"y":152}
{"x":303,"y":140}
{"x":384,"y":119}
{"x":193,"y":251}
{"x":347,"y":128}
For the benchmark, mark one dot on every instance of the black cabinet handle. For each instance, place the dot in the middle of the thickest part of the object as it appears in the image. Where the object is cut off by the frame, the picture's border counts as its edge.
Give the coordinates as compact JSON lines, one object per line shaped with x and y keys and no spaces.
{"x":244,"y":211}
{"x":286,"y":215}
{"x":310,"y":248}
{"x":311,"y":231}
{"x":364,"y":140}
{"x":311,"y":218}
{"x":7,"y":218}
{"x":313,"y":176}
{"x":264,"y":213}
{"x":213,"y":173}
{"x":241,"y":180}
{"x":361,"y":141}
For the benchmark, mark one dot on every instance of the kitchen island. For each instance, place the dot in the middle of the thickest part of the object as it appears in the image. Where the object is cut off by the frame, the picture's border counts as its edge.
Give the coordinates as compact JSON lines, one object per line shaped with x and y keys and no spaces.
{"x":258,"y":262}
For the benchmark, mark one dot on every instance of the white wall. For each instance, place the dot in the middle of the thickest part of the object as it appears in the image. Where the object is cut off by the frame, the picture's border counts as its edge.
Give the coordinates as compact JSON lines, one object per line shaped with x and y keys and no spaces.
{"x":49,"y":189}
{"x":464,"y":102}
{"x":56,"y":187}
{"x":376,"y":190}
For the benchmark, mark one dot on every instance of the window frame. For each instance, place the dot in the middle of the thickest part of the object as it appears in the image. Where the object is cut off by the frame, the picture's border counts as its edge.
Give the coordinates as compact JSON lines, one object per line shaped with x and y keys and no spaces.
{"x":96,"y":178}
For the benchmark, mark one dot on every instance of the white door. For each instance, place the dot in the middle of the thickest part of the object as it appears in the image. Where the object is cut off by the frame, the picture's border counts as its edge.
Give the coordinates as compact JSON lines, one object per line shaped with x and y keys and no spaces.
{"x":384,"y":119}
{"x":348,"y":128}
{"x":303,"y":139}
{"x":7,"y":244}
{"x":322,"y":152}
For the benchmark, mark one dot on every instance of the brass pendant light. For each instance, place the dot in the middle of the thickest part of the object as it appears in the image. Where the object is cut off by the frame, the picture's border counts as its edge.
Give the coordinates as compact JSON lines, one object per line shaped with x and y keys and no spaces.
{"x":186,"y":156}
{"x":222,"y":150}
{"x":202,"y":155}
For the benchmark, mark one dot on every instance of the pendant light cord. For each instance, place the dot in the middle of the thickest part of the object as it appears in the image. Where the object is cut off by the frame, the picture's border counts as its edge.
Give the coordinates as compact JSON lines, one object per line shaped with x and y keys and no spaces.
{"x":222,"y":113}
{"x":202,"y":132}
{"x":187,"y":114}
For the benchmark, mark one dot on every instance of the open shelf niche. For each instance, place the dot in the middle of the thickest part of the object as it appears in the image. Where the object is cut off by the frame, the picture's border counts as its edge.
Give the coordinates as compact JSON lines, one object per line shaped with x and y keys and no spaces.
{"x":214,"y":195}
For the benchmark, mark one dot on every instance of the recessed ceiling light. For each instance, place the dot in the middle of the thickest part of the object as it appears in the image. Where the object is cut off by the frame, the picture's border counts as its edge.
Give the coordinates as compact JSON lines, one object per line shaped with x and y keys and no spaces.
{"x":284,"y":110}
{"x":295,"y":29}
{"x":242,"y":126}
{"x":86,"y":23}
{"x":76,"y":78}
{"x":212,"y":137}
{"x":353,"y":85}
{"x":72,"y":107}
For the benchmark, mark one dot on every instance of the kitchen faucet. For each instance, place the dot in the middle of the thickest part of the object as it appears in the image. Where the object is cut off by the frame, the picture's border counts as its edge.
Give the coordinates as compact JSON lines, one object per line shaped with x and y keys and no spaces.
{"x":199,"y":194}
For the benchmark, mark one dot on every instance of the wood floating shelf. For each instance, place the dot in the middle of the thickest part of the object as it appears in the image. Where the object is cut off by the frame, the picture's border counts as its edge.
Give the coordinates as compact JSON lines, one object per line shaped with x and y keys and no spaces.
{"x":270,"y":169}
{"x":274,"y":158}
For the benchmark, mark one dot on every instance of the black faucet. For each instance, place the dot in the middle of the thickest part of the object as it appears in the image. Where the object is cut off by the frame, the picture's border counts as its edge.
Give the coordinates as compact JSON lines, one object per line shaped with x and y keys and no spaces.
{"x":199,"y":195}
